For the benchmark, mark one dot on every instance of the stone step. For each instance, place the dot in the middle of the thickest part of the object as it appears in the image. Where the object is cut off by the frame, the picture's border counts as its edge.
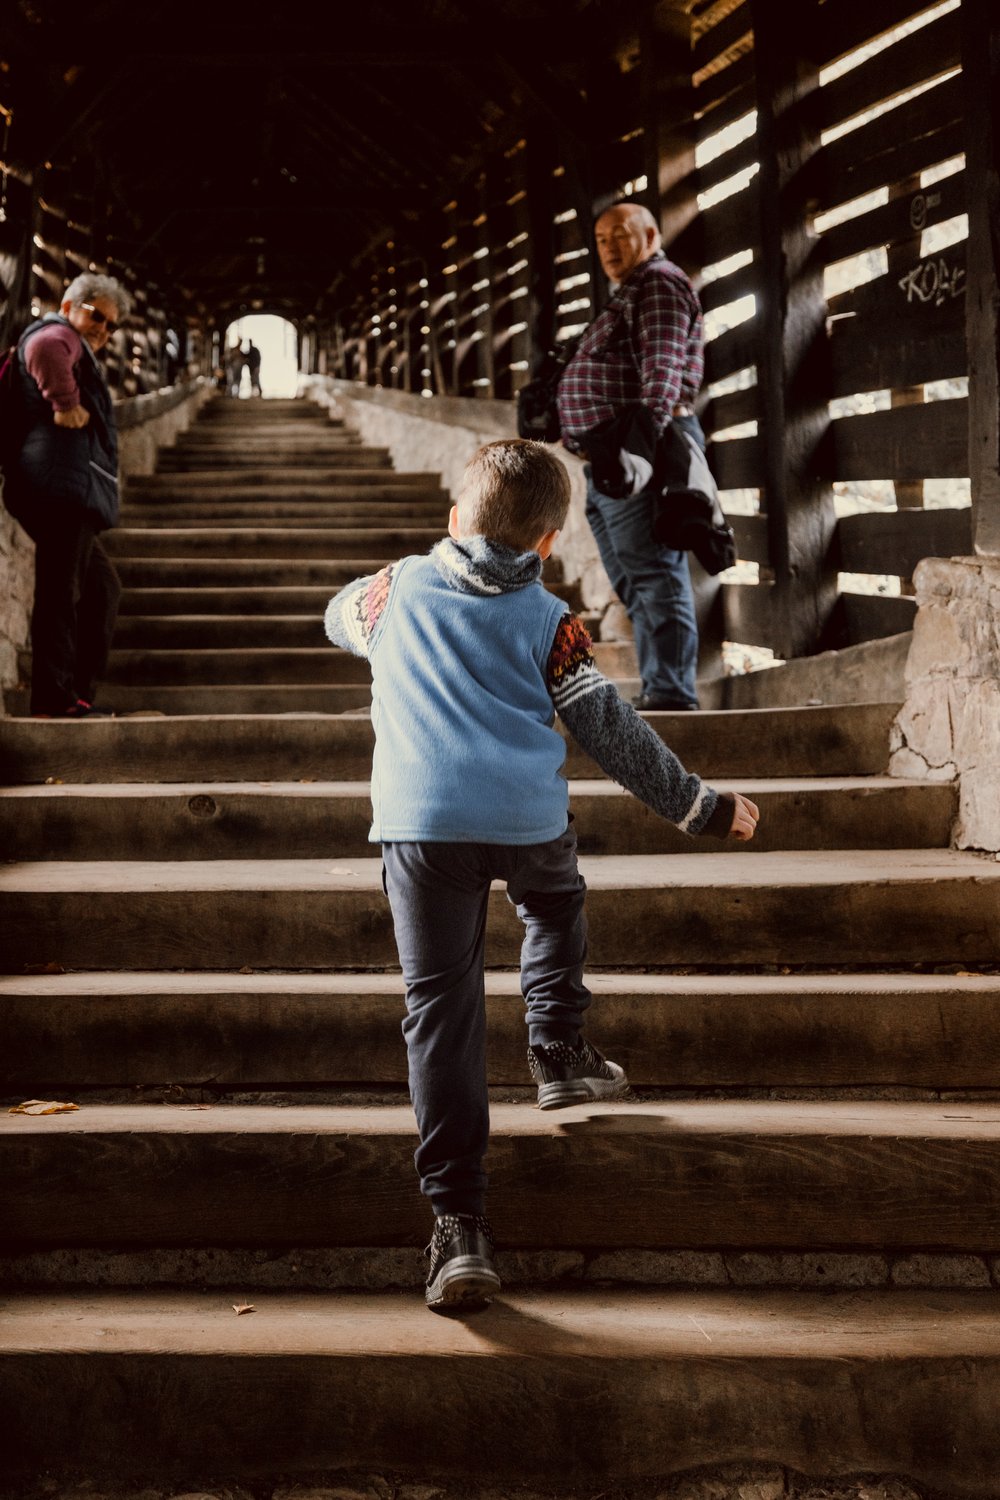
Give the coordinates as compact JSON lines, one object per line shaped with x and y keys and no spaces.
{"x":246,"y":666}
{"x":694,"y":1174}
{"x":209,"y":573}
{"x":185,"y":631}
{"x":213,"y":482}
{"x":651,"y":1382}
{"x":237,"y":700}
{"x":248,"y":542}
{"x":228,"y":572}
{"x":814,"y":907}
{"x":365,"y":510}
{"x":828,"y":740}
{"x":276,"y":667}
{"x":271,"y":408}
{"x":292,"y":820}
{"x":269,"y":601}
{"x":236,"y":459}
{"x":217,"y":434}
{"x":228,"y":1032}
{"x":314,"y":420}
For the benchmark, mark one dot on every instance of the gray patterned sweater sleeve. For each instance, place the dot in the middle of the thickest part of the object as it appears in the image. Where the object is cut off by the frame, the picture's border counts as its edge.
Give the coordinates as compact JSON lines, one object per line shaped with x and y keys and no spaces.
{"x":622,"y":743}
{"x":352,"y":615}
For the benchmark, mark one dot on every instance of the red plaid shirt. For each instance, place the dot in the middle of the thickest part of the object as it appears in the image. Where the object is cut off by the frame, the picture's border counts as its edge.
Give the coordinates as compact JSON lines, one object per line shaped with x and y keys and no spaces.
{"x":647,"y":345}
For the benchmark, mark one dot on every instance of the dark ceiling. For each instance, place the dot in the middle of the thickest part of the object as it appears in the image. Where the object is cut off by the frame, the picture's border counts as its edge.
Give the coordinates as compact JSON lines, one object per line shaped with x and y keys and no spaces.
{"x":238,"y":159}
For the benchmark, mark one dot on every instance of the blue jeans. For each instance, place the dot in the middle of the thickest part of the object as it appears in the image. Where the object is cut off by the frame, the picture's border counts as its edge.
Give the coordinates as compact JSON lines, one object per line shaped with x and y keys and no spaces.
{"x":654,"y":584}
{"x":439,"y":895}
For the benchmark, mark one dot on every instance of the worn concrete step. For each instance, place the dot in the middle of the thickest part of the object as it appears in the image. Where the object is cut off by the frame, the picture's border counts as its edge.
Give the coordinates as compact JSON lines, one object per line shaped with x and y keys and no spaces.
{"x":269,"y":479}
{"x":240,"y":700}
{"x":179,"y":632}
{"x":369,"y":509}
{"x":235,"y":459}
{"x":209,"y":435}
{"x":815,"y":907}
{"x":273,"y":666}
{"x":694,"y":1174}
{"x":827,"y":740}
{"x":291,"y":820}
{"x":182,"y":631}
{"x":206,"y":573}
{"x":302,"y":628}
{"x":235,"y":571}
{"x":265,"y":600}
{"x":241,"y":541}
{"x":246,"y":666}
{"x":279,"y":421}
{"x":271,"y":408}
{"x":904,"y":1382}
{"x":272,"y":448}
{"x":694,"y":1031}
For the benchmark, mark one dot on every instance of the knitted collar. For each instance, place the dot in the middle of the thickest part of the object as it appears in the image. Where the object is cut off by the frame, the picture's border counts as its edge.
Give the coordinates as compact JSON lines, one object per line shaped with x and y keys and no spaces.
{"x":475,"y":565}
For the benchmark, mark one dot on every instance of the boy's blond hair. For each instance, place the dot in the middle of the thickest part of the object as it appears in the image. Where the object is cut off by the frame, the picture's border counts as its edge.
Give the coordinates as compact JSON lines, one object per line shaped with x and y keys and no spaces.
{"x":513,"y":491}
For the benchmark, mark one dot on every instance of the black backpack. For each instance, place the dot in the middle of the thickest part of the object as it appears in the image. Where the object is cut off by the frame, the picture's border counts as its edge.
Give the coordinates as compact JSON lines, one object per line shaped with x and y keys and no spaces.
{"x":537,"y":412}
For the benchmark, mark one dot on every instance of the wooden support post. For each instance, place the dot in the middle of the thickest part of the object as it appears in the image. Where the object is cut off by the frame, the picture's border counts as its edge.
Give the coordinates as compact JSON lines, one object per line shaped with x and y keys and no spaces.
{"x":541,"y":242}
{"x":668,"y":120}
{"x":672,"y":196}
{"x":791,"y":364}
{"x":981,"y":78}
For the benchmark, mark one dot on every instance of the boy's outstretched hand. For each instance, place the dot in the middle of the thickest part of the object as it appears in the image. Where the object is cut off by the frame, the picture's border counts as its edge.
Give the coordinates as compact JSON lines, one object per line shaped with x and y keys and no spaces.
{"x":744,"y":819}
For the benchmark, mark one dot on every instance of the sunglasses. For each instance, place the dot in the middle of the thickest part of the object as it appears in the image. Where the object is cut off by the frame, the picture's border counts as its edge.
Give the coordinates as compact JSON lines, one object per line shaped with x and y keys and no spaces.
{"x":96,"y":316}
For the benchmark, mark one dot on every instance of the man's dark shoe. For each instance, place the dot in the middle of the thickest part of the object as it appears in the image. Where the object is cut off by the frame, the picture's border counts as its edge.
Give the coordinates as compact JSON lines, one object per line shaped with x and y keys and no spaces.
{"x":462,"y":1274}
{"x":650,"y":703}
{"x":573,"y":1075}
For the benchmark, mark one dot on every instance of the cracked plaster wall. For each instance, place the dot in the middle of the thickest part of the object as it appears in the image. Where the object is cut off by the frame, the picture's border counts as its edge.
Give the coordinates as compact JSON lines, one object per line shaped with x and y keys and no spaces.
{"x":949,"y":725}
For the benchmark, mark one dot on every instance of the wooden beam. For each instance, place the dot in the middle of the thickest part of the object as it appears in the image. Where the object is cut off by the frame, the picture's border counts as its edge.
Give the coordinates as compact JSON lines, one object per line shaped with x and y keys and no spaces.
{"x":902,"y":331}
{"x":923,"y":55}
{"x":981,"y":64}
{"x":668,"y":139}
{"x":894,"y":541}
{"x":908,"y":443}
{"x":791,"y":364}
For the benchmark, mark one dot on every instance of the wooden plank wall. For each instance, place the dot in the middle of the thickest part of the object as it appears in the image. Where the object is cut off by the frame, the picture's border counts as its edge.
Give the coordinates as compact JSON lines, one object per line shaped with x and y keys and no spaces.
{"x":42,"y":249}
{"x":832,"y":395}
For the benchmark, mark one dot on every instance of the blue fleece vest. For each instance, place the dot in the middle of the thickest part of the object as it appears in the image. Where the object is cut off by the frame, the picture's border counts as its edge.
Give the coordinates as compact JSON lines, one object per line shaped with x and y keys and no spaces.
{"x":465,"y":749}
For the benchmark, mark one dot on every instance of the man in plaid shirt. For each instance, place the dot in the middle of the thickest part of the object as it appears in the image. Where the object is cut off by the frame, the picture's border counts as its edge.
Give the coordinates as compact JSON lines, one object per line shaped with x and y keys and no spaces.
{"x":646,"y":347}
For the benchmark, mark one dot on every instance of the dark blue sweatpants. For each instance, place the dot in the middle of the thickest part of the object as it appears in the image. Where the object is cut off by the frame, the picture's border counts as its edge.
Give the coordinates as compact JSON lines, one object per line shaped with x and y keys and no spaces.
{"x":439,"y":895}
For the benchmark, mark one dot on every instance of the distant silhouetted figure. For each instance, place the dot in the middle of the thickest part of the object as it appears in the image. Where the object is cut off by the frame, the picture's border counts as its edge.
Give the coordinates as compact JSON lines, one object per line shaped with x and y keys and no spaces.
{"x":252,"y":357}
{"x":234,"y":368}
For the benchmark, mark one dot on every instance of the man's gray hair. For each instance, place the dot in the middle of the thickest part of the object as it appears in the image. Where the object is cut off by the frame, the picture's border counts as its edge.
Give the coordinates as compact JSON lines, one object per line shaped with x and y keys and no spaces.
{"x":89,"y":284}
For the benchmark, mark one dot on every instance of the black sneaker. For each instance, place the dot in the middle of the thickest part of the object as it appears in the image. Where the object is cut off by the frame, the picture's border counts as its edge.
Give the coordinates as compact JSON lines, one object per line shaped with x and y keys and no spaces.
{"x":650,"y":703}
{"x":572,"y":1075}
{"x":462,"y":1272}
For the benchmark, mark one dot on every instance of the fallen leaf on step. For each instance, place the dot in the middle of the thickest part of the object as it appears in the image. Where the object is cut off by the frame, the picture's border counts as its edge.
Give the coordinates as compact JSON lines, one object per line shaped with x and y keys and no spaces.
{"x":49,"y":968}
{"x":246,"y":969}
{"x":196,"y":1106}
{"x":239,"y":1308}
{"x":54,"y":781}
{"x":42,"y":1107}
{"x":306,"y":780}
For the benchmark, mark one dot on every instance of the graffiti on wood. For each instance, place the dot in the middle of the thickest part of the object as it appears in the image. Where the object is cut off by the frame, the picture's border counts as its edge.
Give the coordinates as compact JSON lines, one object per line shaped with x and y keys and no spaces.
{"x":933,"y":282}
{"x":920,"y":206}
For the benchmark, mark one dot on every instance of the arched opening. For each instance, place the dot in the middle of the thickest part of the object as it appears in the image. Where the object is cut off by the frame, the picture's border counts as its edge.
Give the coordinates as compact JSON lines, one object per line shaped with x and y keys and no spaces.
{"x":277,"y":341}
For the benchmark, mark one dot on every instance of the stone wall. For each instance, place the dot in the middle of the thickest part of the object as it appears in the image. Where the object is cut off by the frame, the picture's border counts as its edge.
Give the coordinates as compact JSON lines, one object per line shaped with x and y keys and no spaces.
{"x":145,"y":424}
{"x":949,"y":725}
{"x":441,"y":435}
